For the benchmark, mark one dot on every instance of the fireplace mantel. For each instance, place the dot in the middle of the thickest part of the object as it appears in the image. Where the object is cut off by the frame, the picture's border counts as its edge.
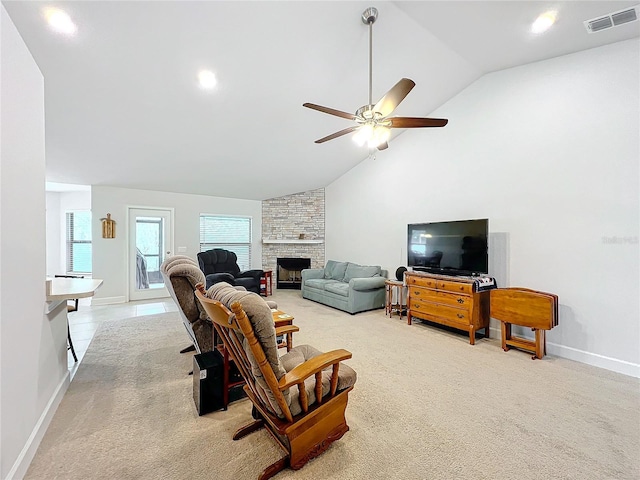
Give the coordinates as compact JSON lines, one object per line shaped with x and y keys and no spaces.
{"x":292,"y":240}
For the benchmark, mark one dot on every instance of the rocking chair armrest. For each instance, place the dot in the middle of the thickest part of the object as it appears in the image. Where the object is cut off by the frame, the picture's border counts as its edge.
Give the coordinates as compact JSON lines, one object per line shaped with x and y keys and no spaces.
{"x":312,"y":366}
{"x":286,"y":329}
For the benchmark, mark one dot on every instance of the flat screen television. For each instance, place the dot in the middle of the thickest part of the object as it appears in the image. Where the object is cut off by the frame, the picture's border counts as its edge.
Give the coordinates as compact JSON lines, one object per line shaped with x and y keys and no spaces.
{"x":449,"y":248}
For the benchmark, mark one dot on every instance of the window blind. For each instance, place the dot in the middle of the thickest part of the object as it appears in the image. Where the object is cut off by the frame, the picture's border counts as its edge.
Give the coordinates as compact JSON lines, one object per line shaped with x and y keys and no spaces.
{"x":228,"y":232}
{"x":78,"y":241}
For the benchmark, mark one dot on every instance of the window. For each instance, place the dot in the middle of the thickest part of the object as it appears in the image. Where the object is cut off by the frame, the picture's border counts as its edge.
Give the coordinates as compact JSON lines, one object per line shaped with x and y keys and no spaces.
{"x":230,"y":233}
{"x":79,"y":241}
{"x":150,"y":245}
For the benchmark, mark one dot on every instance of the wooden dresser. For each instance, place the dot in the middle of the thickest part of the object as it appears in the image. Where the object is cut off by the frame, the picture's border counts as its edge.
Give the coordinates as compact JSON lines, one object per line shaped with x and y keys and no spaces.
{"x":450,"y":301}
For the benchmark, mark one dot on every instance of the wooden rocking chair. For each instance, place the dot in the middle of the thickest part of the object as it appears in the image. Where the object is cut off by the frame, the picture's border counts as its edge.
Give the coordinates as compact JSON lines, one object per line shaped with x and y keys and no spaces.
{"x":303,"y":421}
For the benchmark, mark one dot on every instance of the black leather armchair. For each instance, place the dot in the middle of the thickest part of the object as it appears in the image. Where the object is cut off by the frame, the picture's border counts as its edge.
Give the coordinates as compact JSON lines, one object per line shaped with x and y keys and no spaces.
{"x":221,"y":265}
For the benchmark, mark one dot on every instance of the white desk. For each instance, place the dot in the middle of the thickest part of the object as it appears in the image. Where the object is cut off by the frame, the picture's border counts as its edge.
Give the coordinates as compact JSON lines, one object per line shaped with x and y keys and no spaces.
{"x":62,"y":289}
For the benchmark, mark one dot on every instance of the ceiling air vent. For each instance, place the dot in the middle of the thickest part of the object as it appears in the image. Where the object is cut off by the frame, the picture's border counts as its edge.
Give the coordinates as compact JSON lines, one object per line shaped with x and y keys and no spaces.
{"x":612,"y":20}
{"x":625,"y":16}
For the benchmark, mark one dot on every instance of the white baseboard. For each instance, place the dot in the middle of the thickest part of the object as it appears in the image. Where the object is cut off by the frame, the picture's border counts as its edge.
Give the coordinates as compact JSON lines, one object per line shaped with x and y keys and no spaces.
{"x":608,"y":363}
{"x":570,"y":353}
{"x":108,"y":300}
{"x":21,"y":465}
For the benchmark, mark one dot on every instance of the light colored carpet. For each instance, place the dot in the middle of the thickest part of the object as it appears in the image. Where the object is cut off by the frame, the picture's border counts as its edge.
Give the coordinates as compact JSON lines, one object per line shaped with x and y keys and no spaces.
{"x":427,"y":405}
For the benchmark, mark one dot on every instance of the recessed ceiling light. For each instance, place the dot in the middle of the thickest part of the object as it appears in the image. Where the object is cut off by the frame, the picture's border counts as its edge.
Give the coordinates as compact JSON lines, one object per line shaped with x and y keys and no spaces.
{"x":544,"y":22}
{"x":60,"y":21}
{"x":207,"y":79}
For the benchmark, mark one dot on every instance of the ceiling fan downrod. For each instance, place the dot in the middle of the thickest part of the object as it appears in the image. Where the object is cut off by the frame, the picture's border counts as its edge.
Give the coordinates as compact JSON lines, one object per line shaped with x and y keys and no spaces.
{"x":369,"y":17}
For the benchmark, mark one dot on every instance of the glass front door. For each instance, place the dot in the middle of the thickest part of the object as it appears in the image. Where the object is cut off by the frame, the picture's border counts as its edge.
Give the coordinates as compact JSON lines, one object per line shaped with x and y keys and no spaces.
{"x":150,"y":242}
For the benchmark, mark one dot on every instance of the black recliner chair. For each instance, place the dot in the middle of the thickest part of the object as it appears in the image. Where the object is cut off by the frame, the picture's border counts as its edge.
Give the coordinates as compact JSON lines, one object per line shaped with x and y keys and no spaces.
{"x":221,"y":265}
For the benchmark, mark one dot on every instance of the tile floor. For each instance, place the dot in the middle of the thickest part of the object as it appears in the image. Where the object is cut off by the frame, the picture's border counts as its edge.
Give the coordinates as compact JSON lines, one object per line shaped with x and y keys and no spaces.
{"x":84,"y":323}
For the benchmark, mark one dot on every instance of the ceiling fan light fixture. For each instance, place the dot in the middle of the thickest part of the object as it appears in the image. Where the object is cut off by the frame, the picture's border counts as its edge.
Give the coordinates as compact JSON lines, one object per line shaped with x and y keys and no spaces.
{"x":364,"y":134}
{"x":372,"y":135}
{"x":381,"y":134}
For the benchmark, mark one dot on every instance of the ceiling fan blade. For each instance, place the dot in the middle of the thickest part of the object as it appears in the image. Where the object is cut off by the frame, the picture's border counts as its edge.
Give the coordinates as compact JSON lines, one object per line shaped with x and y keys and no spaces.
{"x":393,"y":97}
{"x":416,"y":122}
{"x":330,"y":111}
{"x":337,"y":134}
{"x":383,"y":146}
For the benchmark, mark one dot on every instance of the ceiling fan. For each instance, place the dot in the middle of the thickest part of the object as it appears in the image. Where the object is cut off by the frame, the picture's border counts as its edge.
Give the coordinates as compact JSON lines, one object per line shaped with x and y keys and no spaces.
{"x":373,"y":124}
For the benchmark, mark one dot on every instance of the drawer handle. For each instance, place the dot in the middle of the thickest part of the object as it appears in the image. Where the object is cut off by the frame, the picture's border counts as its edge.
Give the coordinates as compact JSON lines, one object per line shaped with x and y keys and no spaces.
{"x":460,"y":300}
{"x":459,"y":315}
{"x":416,"y":293}
{"x":417,"y":305}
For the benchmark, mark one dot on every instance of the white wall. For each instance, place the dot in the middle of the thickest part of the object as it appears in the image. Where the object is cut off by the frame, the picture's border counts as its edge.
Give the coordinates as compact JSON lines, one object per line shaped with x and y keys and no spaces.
{"x":58,"y":204}
{"x":548,"y":152}
{"x":110,"y":255}
{"x":33,"y":346}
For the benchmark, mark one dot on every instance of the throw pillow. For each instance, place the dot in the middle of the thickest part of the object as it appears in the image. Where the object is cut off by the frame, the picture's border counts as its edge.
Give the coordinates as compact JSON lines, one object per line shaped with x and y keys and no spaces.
{"x":360,"y":271}
{"x":328,"y":269}
{"x":338,"y":271}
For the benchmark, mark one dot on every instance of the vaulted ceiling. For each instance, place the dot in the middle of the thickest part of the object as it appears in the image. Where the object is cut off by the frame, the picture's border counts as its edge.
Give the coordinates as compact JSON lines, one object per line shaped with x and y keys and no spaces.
{"x":123,"y":106}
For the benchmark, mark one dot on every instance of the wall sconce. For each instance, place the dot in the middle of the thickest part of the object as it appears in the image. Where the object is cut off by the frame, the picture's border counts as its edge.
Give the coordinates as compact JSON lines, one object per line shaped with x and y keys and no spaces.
{"x":108,"y":227}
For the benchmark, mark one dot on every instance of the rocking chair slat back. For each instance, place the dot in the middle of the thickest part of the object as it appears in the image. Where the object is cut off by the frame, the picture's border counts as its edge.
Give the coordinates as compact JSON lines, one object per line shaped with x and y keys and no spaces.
{"x":261,"y":358}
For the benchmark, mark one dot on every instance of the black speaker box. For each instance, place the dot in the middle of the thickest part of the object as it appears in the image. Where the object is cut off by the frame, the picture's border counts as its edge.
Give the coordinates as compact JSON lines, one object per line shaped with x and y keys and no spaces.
{"x":208,"y":382}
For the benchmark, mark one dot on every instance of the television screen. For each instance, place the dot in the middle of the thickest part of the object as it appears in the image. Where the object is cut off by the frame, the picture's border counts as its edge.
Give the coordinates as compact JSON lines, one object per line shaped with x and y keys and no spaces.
{"x":449,"y":248}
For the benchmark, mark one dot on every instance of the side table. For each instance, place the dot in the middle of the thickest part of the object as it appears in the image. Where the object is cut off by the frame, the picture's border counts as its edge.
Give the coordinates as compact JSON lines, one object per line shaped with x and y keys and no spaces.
{"x":266,"y":283}
{"x":394,"y":289}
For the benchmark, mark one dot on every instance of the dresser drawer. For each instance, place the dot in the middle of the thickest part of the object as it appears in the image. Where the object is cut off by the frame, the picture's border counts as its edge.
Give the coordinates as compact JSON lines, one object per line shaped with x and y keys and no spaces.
{"x":421,"y":281}
{"x":454,"y":286}
{"x":457,"y":315}
{"x":446,"y":298}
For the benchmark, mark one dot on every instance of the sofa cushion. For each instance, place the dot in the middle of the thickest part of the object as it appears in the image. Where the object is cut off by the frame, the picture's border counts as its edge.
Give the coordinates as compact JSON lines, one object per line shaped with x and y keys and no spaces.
{"x":339,"y":288}
{"x":335,"y":270}
{"x":359,"y":271}
{"x":319,"y":283}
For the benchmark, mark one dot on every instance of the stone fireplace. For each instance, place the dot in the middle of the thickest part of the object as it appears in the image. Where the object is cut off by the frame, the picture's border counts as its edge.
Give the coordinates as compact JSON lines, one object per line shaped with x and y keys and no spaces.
{"x":293,"y":228}
{"x":289,"y":272}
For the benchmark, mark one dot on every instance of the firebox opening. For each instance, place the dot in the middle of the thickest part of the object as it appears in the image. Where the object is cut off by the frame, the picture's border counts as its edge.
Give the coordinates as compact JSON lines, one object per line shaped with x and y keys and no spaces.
{"x":289,"y":272}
